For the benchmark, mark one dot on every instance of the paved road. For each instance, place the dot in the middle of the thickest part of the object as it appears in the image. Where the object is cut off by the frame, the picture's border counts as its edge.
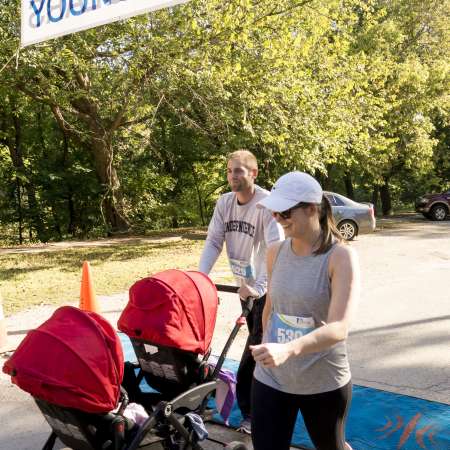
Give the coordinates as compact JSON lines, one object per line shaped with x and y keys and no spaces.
{"x":400,"y":338}
{"x":399,"y":341}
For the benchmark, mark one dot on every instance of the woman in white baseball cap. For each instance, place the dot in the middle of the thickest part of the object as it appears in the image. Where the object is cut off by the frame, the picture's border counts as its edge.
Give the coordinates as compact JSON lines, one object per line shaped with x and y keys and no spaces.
{"x":302,"y":363}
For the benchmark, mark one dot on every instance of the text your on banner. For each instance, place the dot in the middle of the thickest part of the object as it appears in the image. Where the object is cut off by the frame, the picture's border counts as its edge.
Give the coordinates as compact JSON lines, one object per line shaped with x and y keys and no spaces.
{"x":46,"y":19}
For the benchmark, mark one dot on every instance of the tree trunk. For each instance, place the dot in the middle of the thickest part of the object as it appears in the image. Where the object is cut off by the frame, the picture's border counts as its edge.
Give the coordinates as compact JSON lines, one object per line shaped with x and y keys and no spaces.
{"x":71,"y":228}
{"x":327,"y":179}
{"x":349,"y":185}
{"x":19,"y":210}
{"x":199,"y":196}
{"x":35,"y":214}
{"x":112,"y":201}
{"x":57,"y":226}
{"x":100,"y":145}
{"x":15,"y":150}
{"x":385,"y":196}
{"x":375,"y":194}
{"x":323,"y":179}
{"x":13,"y":141}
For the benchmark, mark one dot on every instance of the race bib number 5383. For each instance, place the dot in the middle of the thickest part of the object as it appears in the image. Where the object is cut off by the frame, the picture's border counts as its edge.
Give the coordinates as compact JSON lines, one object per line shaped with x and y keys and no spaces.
{"x":286,"y":328}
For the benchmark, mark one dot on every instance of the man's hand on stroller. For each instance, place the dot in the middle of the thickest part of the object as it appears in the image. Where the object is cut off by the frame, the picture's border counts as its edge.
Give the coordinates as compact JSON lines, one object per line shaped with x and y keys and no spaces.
{"x":247,"y":291}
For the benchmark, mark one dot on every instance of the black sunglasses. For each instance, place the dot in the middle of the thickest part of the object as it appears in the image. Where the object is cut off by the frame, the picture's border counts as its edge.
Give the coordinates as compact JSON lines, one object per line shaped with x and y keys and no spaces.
{"x":287,"y":214}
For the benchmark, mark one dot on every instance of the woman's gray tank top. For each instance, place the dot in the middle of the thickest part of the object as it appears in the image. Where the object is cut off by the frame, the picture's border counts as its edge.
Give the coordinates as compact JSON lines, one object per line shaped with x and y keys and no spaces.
{"x":300,"y":286}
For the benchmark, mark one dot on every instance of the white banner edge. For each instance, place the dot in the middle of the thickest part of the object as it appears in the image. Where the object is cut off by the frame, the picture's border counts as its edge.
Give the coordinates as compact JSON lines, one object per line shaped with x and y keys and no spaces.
{"x":168,"y":4}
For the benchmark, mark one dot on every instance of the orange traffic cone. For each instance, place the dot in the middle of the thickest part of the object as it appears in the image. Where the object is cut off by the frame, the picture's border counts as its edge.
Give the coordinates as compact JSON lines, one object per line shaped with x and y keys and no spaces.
{"x":3,"y":334}
{"x":88,"y":300}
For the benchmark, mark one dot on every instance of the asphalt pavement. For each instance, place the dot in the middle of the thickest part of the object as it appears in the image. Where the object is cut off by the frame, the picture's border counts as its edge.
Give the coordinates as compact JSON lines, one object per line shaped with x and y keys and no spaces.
{"x":399,"y":341}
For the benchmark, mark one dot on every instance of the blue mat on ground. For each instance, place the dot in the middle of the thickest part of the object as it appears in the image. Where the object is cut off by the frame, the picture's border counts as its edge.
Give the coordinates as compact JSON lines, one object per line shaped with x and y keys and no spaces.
{"x":377,"y":420}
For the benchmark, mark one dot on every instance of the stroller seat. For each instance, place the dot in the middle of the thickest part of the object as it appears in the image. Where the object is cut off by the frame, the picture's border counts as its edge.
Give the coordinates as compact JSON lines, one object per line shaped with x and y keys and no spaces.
{"x":170,"y":319}
{"x":80,"y":430}
{"x":169,"y":370}
{"x":85,"y":431}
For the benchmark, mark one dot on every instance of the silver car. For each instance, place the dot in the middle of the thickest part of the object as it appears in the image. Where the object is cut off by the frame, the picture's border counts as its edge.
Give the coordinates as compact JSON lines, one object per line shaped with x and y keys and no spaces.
{"x":352,"y":218}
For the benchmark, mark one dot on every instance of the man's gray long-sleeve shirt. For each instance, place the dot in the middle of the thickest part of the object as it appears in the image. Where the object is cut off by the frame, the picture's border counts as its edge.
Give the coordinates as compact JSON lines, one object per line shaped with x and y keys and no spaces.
{"x":247,"y":231}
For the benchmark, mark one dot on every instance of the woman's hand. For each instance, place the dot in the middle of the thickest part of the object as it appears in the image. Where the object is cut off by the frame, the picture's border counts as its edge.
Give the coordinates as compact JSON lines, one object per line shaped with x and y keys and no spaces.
{"x":271,"y":354}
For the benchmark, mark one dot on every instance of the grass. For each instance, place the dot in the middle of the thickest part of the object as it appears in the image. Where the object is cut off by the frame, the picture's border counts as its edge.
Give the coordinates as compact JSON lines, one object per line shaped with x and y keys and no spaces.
{"x":53,"y":277}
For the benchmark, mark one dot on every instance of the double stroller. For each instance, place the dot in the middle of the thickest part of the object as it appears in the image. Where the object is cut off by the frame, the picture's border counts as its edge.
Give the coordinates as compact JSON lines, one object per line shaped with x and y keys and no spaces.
{"x":74,"y":368}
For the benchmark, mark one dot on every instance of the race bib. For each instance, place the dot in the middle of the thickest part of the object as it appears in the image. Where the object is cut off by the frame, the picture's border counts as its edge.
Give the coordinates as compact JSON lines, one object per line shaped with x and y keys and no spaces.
{"x":286,"y":328}
{"x":242,"y":269}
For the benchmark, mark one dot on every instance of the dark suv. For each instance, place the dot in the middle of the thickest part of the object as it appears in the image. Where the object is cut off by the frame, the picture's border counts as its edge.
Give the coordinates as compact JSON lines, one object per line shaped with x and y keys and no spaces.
{"x":434,"y":206}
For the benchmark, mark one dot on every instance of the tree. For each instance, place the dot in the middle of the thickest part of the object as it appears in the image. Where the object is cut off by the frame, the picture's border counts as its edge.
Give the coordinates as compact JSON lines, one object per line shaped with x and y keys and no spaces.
{"x":409,"y":41}
{"x":349,"y":91}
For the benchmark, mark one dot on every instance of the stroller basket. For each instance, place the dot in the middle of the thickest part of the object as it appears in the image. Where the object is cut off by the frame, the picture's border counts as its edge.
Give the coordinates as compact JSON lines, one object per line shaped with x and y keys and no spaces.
{"x":168,"y":370}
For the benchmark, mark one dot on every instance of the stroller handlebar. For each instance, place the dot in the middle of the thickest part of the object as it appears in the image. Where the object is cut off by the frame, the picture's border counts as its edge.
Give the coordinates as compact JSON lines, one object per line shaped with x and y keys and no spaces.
{"x":247,"y":307}
{"x":227,"y":288}
{"x":234,"y":290}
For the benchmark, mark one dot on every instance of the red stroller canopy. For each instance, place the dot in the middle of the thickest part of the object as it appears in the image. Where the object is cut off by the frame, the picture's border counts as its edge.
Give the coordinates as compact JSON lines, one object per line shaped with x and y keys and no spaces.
{"x":74,"y":360}
{"x":172,"y":308}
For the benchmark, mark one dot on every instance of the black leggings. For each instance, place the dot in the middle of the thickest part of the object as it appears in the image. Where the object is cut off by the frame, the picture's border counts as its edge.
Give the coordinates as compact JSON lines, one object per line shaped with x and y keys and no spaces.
{"x":274,"y":414}
{"x":247,"y":364}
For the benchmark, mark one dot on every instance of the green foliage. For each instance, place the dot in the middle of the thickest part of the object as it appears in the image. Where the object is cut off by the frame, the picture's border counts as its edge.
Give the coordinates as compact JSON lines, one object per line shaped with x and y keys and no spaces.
{"x":127,"y":125}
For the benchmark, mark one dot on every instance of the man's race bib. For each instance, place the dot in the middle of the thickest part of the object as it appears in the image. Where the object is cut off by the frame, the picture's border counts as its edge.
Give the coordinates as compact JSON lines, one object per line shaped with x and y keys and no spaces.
{"x":242,"y":269}
{"x":286,"y":328}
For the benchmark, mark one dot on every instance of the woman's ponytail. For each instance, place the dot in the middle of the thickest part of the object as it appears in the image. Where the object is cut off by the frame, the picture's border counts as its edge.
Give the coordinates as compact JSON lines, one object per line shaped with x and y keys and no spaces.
{"x":330,"y":233}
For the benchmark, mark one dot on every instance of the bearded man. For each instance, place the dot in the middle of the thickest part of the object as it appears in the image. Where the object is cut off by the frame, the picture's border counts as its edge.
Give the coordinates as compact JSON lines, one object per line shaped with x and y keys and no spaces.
{"x":247,"y":231}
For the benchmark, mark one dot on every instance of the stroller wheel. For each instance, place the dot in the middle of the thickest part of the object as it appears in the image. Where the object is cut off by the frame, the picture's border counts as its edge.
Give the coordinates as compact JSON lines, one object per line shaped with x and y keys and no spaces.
{"x":236,"y":445}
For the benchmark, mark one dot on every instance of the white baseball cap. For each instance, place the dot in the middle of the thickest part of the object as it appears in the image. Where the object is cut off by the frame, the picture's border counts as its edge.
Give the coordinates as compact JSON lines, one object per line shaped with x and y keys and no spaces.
{"x":291,"y":189}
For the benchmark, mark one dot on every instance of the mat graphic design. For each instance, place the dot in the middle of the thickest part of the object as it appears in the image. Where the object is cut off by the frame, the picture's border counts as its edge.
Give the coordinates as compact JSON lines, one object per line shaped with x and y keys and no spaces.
{"x":378,"y":420}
